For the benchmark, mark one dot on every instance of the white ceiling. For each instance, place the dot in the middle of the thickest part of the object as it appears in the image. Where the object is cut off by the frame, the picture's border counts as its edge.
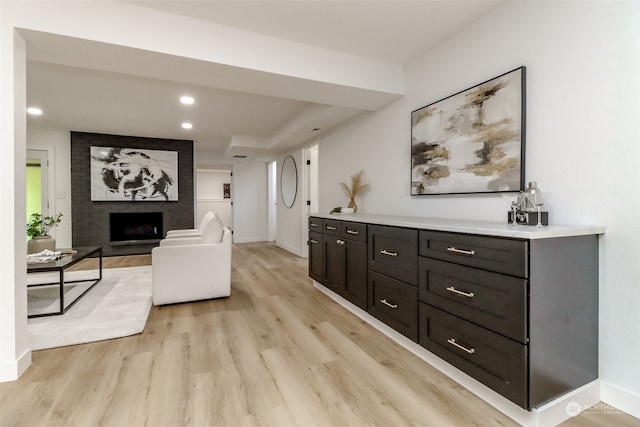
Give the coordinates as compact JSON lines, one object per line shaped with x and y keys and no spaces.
{"x":108,"y":97}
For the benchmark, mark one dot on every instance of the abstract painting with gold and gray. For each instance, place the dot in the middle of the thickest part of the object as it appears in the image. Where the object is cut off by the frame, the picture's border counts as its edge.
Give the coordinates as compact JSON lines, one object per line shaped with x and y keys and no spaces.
{"x":470,"y":142}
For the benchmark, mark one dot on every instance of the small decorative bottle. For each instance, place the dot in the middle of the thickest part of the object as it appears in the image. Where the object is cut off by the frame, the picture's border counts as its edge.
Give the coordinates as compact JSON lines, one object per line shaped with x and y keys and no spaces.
{"x":534,"y":197}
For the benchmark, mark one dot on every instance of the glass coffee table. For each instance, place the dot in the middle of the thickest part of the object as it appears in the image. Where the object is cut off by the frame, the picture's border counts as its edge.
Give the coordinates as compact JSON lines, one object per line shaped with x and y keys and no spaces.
{"x":60,"y":266}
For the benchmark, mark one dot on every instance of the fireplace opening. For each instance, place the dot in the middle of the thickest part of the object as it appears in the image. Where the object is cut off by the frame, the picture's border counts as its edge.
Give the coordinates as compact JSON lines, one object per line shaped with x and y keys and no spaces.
{"x":135,"y":228}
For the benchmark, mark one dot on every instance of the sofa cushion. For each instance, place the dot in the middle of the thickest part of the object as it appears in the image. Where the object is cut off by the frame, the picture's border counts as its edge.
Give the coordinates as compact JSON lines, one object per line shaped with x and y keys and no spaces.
{"x":213,"y":230}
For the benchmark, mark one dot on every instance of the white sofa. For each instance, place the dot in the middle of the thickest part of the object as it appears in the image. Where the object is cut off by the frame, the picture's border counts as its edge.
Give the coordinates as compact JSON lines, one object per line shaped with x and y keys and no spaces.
{"x":192,"y":268}
{"x":192,"y":232}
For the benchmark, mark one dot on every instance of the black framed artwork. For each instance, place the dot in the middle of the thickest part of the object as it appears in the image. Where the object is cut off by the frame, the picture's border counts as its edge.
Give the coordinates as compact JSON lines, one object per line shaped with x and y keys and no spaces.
{"x":472,"y":141}
{"x":133,"y":174}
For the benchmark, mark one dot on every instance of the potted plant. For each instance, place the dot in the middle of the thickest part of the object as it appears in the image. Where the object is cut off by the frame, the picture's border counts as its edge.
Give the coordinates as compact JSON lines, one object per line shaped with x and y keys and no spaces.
{"x":357,"y":187}
{"x":38,"y":229}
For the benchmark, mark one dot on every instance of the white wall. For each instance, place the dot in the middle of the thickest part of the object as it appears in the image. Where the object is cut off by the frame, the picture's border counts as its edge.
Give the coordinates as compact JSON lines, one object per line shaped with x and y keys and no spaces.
{"x":249,"y":189}
{"x":582,"y":141}
{"x":290,"y":220}
{"x":210,"y":197}
{"x":275,"y":66}
{"x":583,"y":145}
{"x":312,"y":179}
{"x":272,"y":197}
{"x":59,"y":143}
{"x":15,"y":356}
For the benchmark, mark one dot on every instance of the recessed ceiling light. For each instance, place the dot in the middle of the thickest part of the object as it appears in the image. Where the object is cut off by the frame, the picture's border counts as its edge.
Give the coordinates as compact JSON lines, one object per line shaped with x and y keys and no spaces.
{"x":34,"y":111}
{"x":186,"y":100}
{"x":186,"y":125}
{"x":257,"y":123}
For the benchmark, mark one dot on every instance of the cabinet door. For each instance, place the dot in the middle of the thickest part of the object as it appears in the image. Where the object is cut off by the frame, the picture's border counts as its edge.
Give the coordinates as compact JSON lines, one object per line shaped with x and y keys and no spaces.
{"x":496,"y":361}
{"x":335,"y":263}
{"x":488,"y":253}
{"x":355,"y":286}
{"x":316,"y":258}
{"x":393,"y":251}
{"x":332,"y":227}
{"x":494,"y":301}
{"x":395,"y":303}
{"x":316,"y":224}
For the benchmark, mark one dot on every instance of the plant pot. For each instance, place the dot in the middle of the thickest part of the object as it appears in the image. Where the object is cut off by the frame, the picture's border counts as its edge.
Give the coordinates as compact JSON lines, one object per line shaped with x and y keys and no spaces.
{"x":40,"y":243}
{"x":352,"y":205}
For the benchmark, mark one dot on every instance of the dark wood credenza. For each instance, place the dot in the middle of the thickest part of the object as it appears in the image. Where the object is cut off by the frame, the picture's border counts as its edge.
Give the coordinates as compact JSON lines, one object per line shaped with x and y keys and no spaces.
{"x":515,"y":307}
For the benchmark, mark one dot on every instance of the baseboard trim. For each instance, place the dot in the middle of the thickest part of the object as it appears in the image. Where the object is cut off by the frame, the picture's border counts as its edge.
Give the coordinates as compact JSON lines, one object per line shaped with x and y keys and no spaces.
{"x":248,"y":239}
{"x":288,"y":248}
{"x":12,"y":370}
{"x":622,"y":400}
{"x":552,"y":413}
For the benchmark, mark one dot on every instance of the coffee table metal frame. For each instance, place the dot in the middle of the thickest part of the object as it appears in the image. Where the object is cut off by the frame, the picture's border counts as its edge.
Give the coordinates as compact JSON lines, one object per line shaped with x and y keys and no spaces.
{"x":60,"y":266}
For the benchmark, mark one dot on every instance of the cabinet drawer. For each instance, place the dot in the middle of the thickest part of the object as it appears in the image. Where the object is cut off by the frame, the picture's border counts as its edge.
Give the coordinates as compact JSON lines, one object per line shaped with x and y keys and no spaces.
{"x":496,"y":361}
{"x":494,"y":301}
{"x":395,"y":303}
{"x":332,"y":227}
{"x":316,"y":258}
{"x":316,"y":224}
{"x":355,"y":231}
{"x":393,"y":251}
{"x":488,"y":253}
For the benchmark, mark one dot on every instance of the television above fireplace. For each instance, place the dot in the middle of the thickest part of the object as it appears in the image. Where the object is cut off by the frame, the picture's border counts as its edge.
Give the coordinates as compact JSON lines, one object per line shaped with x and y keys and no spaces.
{"x":134,"y":228}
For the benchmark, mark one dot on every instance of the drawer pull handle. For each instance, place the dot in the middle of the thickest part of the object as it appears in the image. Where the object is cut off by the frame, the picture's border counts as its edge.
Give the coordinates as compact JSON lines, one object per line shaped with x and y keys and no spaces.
{"x":385,"y":252}
{"x":461,"y":293}
{"x":340,"y":242}
{"x":384,"y":301}
{"x":460,"y":251}
{"x":313,"y":224}
{"x":453,"y":342}
{"x":352,"y":232}
{"x":315,"y":242}
{"x":328,"y":227}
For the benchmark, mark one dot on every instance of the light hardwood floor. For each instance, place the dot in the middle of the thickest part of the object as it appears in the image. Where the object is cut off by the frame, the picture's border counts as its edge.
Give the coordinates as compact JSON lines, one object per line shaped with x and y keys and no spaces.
{"x":276,"y":353}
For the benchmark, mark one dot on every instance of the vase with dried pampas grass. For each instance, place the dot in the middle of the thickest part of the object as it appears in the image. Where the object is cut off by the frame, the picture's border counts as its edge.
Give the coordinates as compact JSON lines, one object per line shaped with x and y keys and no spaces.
{"x":357,"y":187}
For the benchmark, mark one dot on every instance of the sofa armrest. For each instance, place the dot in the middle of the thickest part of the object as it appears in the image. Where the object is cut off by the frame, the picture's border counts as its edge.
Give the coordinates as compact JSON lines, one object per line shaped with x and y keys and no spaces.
{"x":199,"y":257}
{"x":191,"y":272}
{"x":185,"y":231}
{"x":173,"y":234}
{"x":181,"y":241}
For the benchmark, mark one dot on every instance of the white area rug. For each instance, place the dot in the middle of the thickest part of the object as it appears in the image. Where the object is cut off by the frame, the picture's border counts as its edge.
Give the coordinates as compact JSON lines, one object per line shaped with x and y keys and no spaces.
{"x":116,"y":307}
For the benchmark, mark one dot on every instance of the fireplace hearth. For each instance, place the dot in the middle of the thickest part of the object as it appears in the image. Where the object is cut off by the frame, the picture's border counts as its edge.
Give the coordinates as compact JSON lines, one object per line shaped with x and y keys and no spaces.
{"x":135,"y":228}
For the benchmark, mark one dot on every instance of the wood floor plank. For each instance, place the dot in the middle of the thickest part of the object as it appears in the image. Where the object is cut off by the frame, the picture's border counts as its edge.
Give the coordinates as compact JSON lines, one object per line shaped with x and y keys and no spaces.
{"x":277,"y":352}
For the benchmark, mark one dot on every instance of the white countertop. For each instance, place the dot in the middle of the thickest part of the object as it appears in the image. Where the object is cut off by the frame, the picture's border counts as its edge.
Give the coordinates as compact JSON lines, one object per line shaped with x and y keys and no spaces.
{"x":488,"y":228}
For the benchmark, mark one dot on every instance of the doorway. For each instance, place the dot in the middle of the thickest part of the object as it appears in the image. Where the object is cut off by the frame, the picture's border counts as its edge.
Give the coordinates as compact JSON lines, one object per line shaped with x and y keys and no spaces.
{"x":37,"y":182}
{"x":214,"y":193}
{"x":313,"y":184}
{"x":311,"y":191}
{"x":272,"y":201}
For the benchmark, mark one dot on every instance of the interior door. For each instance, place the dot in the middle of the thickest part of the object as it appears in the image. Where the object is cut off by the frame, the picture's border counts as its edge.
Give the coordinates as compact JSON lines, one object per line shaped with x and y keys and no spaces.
{"x":37,"y":182}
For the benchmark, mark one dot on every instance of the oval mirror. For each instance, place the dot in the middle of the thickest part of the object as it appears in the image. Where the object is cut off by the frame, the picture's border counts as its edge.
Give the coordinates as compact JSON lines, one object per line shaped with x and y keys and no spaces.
{"x":289,"y":181}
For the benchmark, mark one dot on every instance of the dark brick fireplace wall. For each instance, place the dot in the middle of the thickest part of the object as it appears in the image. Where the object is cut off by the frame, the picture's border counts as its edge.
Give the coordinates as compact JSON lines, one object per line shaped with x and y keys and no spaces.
{"x":90,"y":220}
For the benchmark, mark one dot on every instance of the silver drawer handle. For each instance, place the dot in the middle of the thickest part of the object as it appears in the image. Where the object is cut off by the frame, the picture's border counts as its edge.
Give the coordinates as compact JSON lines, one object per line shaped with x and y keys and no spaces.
{"x":385,"y":252}
{"x":384,"y":301}
{"x":313,"y":224}
{"x":453,"y":342}
{"x":352,"y":232}
{"x":461,"y":293}
{"x":315,"y":242}
{"x":460,"y":251}
{"x":340,"y":242}
{"x":331,"y":228}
